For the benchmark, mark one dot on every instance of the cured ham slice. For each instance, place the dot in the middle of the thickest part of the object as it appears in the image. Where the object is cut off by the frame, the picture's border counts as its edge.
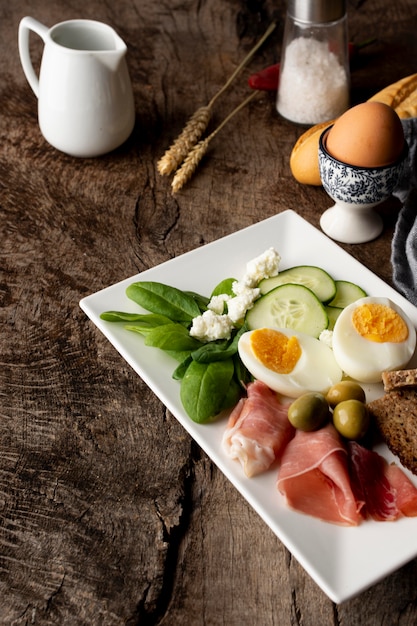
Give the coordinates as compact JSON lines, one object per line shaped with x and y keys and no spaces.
{"x":314,"y":477}
{"x":387,"y":492}
{"x":258,"y":429}
{"x":406,"y":491}
{"x":370,"y":484}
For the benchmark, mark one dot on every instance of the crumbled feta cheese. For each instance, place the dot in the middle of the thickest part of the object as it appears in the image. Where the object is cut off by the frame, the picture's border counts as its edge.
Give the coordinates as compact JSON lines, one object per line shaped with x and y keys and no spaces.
{"x":209,"y":326}
{"x":214,"y":323}
{"x":326,"y":336}
{"x":242,"y":302}
{"x":216,"y":304}
{"x":237,"y":307}
{"x":241,"y":289}
{"x":263,"y":266}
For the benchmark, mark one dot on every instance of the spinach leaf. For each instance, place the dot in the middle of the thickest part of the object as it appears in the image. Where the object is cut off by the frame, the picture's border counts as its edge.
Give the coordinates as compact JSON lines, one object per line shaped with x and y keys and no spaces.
{"x":242,"y":374}
{"x":204,"y":389}
{"x":202,"y":301}
{"x":145,"y":321}
{"x":164,"y":300}
{"x":213,"y":351}
{"x":178,"y":355}
{"x":225,"y":286}
{"x":233,"y":395}
{"x":119,"y":316}
{"x":171,"y":337}
{"x":179,"y":372}
{"x":218,"y":350}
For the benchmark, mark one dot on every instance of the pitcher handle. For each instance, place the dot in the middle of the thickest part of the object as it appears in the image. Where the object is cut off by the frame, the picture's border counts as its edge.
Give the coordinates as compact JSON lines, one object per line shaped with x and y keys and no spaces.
{"x":26,"y":25}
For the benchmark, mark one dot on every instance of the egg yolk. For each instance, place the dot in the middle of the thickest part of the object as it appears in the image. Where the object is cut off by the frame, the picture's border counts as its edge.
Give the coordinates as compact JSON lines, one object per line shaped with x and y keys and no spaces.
{"x":380,"y":323}
{"x":275,"y":350}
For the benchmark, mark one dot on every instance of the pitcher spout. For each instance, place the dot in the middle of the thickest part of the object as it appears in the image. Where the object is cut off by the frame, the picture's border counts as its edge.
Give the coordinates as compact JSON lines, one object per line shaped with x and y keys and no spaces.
{"x":112,"y":58}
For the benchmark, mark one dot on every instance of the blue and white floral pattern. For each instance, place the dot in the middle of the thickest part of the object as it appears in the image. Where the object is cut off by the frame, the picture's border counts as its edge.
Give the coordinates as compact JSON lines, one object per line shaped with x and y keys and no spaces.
{"x":357,"y":185}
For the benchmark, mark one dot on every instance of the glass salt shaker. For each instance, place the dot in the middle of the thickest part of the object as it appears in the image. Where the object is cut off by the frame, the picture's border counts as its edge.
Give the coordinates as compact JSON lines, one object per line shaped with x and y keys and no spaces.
{"x":314,"y":76}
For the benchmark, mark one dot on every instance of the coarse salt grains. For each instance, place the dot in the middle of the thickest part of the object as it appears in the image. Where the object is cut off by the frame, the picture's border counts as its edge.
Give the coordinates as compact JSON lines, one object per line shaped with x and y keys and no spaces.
{"x":314,"y":86}
{"x":314,"y":75}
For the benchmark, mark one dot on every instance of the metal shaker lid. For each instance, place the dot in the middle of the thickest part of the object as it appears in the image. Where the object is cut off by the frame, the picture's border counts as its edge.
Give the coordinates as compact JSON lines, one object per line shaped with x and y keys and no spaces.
{"x":317,"y":11}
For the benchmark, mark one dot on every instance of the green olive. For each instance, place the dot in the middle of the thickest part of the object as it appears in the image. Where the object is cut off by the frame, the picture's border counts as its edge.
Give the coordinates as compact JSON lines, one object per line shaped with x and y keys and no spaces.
{"x":351,"y":419}
{"x":345,"y":390}
{"x":309,"y":412}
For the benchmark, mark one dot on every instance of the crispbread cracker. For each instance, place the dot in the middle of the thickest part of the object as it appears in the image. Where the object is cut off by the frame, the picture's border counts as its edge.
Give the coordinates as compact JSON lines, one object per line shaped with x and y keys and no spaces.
{"x":399,"y":379}
{"x":395,"y":416}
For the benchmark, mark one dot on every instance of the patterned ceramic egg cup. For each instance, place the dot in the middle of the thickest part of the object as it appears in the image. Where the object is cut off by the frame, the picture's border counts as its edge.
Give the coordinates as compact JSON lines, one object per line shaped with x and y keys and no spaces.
{"x":356,"y":191}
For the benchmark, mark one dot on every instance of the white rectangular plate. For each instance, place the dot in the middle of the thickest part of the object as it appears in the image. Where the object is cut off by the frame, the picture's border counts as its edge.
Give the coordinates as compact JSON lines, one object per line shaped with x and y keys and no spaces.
{"x":343,"y":561}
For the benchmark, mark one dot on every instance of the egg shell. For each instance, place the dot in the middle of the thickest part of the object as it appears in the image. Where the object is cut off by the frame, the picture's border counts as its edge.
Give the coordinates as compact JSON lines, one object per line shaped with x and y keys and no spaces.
{"x":365,"y":360}
{"x":367,"y":135}
{"x":316,"y":369}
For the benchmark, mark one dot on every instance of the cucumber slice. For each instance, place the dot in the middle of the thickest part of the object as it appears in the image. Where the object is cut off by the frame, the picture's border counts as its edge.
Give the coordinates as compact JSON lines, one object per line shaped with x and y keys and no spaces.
{"x":289,"y":306}
{"x":346,"y":293}
{"x":333,"y":313}
{"x":315,"y":278}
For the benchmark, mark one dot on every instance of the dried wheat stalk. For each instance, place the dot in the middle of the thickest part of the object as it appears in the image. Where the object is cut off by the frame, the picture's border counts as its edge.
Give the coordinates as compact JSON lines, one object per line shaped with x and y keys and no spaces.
{"x":190,"y":164}
{"x":191,"y":133}
{"x":198,"y":123}
{"x":197,"y":152}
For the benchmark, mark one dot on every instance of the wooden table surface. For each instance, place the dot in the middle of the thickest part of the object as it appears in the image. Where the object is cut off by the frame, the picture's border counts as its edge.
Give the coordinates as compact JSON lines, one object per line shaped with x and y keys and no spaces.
{"x":109,"y":512}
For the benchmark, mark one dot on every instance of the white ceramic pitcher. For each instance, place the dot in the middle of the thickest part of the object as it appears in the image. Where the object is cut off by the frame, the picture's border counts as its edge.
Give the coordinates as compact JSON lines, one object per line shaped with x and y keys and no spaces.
{"x":85,"y":98}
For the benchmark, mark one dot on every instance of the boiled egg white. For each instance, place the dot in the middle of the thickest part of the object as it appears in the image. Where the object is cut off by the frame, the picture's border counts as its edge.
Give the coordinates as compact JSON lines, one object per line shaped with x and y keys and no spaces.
{"x":373,"y":335}
{"x":288,"y":361}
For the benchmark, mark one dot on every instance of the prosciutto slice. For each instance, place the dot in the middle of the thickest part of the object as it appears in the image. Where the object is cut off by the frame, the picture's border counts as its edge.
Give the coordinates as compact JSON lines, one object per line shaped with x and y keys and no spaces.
{"x":258,"y":429}
{"x":387,"y":492}
{"x":406,"y":492}
{"x":314,"y":477}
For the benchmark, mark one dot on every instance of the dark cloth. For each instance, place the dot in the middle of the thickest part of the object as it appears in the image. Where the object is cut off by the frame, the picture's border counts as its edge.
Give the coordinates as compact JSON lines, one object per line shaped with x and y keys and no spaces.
{"x":404,"y":241}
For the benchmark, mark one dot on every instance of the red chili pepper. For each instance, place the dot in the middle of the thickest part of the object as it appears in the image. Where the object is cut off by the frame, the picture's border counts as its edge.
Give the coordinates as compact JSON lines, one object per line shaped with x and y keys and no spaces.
{"x":267,"y":79}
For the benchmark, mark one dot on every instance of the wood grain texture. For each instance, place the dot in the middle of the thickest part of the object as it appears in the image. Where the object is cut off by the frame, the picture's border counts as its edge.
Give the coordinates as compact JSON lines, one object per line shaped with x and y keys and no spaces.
{"x":109,"y":513}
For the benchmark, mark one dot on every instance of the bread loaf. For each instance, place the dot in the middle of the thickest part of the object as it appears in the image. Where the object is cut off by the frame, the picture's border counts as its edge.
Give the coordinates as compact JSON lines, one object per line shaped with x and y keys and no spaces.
{"x":401,"y":96}
{"x":304,"y":160}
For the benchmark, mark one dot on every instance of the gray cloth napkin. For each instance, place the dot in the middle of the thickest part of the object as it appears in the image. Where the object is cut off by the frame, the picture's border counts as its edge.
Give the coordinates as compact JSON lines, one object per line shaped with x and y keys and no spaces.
{"x":404,"y":241}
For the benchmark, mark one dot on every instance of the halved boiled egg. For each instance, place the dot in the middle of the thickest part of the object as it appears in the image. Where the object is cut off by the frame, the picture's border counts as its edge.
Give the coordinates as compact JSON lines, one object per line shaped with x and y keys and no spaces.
{"x":373,"y":335}
{"x":288,"y":361}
